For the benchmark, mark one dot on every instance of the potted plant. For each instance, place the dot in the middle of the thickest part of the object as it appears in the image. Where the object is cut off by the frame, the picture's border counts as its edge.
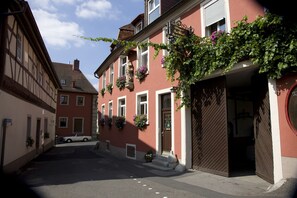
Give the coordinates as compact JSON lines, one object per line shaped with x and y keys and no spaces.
{"x":102,"y":121}
{"x":121,"y":81}
{"x":120,"y":122}
{"x":109,"y":87}
{"x":29,"y":141}
{"x":141,"y":72}
{"x":46,"y":135}
{"x":148,"y":157}
{"x":140,"y":121}
{"x":102,"y":91}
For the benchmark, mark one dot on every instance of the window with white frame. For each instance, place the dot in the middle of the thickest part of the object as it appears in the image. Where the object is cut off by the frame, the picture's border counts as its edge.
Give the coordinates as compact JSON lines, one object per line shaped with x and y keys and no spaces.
{"x":122,"y":107}
{"x":63,"y":82}
{"x":63,"y":122}
{"x":110,"y":109}
{"x":19,"y":48}
{"x":138,"y":27}
{"x":214,"y":16}
{"x":111,"y":74}
{"x":165,"y":41}
{"x":80,"y":100}
{"x":123,"y":66}
{"x":64,"y":99}
{"x":102,"y":111}
{"x":104,"y":80}
{"x":142,"y":104}
{"x":143,"y":57}
{"x":153,"y":10}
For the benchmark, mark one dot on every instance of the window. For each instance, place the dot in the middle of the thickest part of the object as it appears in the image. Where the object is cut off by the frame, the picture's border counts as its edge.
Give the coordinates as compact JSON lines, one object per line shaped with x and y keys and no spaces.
{"x":111,"y":74}
{"x":104,"y":80}
{"x":102,"y":111}
{"x":19,"y":48}
{"x":138,"y":27}
{"x":123,"y":66}
{"x":29,"y":126}
{"x":291,"y":108}
{"x":63,"y":122}
{"x":78,"y":125}
{"x":122,"y":107}
{"x":153,"y":10}
{"x":142,"y":104}
{"x":110,"y":109}
{"x":219,"y":26}
{"x":64,"y":100}
{"x":80,"y":100}
{"x":63,"y":82}
{"x":143,"y":57}
{"x":214,"y":16}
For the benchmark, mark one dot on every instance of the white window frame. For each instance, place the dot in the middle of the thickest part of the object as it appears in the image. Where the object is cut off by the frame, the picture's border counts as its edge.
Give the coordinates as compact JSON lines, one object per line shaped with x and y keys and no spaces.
{"x":83,"y":101}
{"x":138,"y":27}
{"x":111,"y":74}
{"x":123,"y":66}
{"x":110,"y":109}
{"x":66,"y":120}
{"x":204,"y":5}
{"x":104,"y":80}
{"x":63,"y":95}
{"x":154,"y":8}
{"x":63,"y":82}
{"x":102,"y":110}
{"x":119,"y":113}
{"x":141,"y":54}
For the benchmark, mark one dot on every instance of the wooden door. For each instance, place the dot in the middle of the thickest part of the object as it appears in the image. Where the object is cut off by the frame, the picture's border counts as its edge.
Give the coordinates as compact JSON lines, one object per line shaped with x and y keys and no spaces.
{"x":166,"y":123}
{"x":209,"y":126}
{"x":262,"y":129}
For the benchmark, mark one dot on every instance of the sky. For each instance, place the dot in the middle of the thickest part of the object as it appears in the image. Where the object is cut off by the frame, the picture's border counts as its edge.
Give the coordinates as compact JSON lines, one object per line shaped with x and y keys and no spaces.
{"x":60,"y":22}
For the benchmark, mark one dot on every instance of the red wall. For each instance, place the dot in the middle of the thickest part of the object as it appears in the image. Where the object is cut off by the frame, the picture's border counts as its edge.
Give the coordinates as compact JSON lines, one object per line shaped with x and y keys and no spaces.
{"x":72,"y":111}
{"x":287,"y":134}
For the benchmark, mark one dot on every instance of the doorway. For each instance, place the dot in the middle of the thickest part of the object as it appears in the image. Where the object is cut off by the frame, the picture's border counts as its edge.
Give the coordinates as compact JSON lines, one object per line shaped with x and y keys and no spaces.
{"x":166,"y":124}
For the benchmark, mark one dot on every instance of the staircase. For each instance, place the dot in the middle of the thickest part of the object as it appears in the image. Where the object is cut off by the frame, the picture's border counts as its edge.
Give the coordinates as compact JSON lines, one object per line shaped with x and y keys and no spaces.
{"x":163,"y":162}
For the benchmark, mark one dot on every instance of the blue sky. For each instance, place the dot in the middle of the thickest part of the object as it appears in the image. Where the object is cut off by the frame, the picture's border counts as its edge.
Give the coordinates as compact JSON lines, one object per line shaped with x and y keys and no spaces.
{"x":61,"y":21}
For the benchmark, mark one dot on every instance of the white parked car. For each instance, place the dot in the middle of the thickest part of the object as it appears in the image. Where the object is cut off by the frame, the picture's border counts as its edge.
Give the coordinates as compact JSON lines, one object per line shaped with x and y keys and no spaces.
{"x":77,"y":138}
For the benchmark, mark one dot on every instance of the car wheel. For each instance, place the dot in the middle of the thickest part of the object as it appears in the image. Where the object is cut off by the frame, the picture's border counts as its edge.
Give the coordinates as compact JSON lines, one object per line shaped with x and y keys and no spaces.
{"x":68,"y":140}
{"x":85,"y":139}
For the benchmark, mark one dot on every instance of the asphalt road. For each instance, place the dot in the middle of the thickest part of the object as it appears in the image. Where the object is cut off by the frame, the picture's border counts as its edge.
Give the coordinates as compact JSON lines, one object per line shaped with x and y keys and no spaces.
{"x":76,"y":170}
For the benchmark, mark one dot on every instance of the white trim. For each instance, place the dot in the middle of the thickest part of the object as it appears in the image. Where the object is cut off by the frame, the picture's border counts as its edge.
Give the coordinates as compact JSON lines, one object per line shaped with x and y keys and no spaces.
{"x":118,"y":99}
{"x":147,"y":102}
{"x":158,"y":119}
{"x":186,"y":137}
{"x":172,"y":123}
{"x":275,"y":131}
{"x":110,"y":102}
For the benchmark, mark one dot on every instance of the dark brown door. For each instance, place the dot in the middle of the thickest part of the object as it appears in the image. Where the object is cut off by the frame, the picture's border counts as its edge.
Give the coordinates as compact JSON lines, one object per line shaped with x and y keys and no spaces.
{"x":262,"y":130}
{"x":209,"y":126}
{"x":166,"y":123}
{"x":37,"y":134}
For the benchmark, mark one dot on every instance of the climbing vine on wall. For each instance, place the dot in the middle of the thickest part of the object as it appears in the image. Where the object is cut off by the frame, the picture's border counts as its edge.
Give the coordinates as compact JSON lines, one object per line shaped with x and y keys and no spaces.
{"x":269,"y":42}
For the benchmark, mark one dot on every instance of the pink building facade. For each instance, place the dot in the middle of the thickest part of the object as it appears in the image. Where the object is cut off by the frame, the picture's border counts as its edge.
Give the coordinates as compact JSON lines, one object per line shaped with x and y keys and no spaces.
{"x":220,"y":138}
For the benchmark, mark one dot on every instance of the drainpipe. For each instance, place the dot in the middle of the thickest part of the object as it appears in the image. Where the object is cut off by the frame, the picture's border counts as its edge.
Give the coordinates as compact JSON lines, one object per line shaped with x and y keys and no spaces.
{"x":6,"y":122}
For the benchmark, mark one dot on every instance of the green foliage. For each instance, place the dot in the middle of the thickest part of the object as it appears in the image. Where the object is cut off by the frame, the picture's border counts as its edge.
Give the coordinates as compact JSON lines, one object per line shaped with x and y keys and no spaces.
{"x":140,"y":121}
{"x":109,"y":87}
{"x":120,"y":122}
{"x":269,"y":42}
{"x":120,"y":83}
{"x":102,"y":91}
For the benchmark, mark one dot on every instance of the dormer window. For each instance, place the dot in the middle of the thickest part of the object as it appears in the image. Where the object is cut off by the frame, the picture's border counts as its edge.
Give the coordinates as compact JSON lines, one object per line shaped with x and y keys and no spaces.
{"x":138,"y":27}
{"x":153,"y":10}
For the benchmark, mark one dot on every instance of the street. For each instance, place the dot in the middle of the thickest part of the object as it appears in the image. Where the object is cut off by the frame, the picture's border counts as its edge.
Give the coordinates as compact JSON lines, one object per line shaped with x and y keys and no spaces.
{"x":73,"y":170}
{"x":77,"y":170}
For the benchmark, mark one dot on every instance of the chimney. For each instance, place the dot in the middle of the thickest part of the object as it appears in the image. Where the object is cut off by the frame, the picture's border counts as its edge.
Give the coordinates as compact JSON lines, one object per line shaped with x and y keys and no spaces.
{"x":76,"y":65}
